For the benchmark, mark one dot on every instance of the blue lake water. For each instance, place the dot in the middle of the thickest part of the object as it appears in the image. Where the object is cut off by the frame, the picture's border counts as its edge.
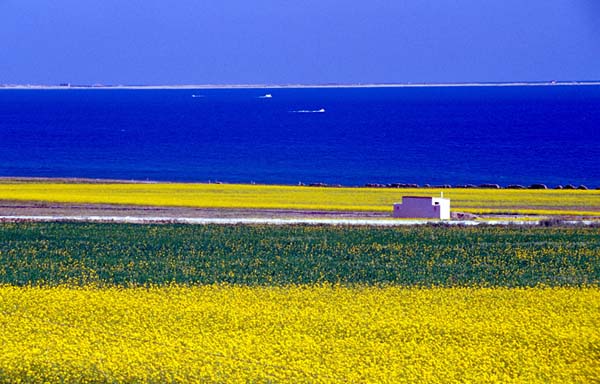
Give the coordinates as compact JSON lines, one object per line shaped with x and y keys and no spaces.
{"x":349,"y":136}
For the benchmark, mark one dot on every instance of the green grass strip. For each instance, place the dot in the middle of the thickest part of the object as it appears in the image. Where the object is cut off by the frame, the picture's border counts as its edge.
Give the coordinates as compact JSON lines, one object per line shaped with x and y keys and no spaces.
{"x":126,"y":255}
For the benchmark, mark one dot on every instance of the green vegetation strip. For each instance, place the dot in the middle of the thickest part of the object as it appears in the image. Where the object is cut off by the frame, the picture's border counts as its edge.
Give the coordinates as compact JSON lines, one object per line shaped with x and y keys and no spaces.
{"x":134,"y":255}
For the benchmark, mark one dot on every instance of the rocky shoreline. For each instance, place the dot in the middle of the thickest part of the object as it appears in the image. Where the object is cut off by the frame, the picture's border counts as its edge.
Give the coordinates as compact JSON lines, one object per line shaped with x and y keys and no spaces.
{"x":480,"y":186}
{"x":9,"y":179}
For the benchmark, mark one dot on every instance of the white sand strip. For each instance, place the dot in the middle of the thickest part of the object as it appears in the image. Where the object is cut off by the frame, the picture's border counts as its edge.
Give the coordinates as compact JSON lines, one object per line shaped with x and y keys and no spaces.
{"x":269,"y":221}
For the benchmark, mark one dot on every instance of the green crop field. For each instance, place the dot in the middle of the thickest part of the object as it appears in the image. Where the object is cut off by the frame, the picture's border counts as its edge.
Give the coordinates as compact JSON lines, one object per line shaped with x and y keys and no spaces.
{"x":119,"y":254}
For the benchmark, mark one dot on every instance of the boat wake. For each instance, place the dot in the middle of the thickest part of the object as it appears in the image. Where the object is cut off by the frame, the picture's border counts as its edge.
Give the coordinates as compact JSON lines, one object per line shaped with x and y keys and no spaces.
{"x":322,"y":110}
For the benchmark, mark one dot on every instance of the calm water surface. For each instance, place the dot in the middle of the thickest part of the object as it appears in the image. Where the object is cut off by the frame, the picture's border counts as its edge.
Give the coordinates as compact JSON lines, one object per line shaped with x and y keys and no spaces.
{"x":350,"y":136}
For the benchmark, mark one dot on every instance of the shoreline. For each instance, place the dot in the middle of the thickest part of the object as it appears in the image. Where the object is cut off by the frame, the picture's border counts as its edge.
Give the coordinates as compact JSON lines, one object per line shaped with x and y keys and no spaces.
{"x":88,"y":180}
{"x":299,"y":86}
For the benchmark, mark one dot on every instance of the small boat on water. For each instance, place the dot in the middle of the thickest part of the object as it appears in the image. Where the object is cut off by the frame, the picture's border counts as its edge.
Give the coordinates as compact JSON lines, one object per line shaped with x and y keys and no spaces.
{"x":322,"y":110}
{"x":266,"y":96}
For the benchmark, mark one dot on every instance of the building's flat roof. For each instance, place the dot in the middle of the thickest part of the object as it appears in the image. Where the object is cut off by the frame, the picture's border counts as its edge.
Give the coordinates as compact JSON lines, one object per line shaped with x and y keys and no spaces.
{"x":418,"y":197}
{"x":423,"y":197}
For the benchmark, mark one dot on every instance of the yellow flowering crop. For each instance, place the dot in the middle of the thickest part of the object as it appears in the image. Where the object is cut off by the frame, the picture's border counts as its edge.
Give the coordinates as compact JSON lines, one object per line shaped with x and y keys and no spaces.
{"x":565,"y":202}
{"x":313,"y":334}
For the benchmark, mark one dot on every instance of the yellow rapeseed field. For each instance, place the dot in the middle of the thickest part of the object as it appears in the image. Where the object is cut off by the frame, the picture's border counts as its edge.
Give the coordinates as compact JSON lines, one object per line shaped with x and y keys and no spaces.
{"x":318,"y":334}
{"x":565,"y":202}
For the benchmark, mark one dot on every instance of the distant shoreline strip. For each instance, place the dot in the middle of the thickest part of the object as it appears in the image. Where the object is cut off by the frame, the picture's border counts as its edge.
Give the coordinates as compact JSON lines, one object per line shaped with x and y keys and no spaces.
{"x":279,"y":86}
{"x":84,"y":180}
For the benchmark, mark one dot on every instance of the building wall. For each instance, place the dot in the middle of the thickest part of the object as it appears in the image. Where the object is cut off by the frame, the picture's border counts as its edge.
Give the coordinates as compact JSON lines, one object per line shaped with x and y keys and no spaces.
{"x":423,"y":208}
{"x":444,"y":205}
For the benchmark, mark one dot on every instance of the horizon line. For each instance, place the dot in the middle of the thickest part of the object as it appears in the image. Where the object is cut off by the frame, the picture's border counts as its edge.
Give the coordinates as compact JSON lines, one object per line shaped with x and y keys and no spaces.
{"x":298,"y":85}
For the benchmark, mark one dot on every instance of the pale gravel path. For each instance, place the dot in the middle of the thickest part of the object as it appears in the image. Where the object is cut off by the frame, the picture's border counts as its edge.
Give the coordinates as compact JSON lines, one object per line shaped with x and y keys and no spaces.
{"x":269,"y":221}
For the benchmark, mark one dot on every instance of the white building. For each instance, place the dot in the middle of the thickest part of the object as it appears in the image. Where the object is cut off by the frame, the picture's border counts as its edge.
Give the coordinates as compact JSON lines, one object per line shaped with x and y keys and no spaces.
{"x":423,"y":207}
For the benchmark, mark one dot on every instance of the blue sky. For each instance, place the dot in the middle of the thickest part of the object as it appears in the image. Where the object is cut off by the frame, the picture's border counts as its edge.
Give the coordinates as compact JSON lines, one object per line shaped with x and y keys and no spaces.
{"x":311,"y":41}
